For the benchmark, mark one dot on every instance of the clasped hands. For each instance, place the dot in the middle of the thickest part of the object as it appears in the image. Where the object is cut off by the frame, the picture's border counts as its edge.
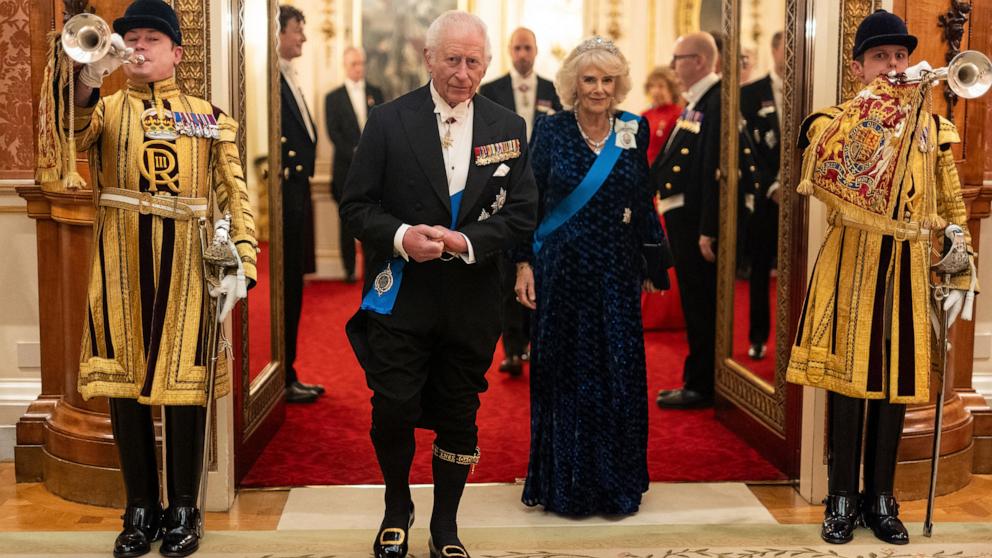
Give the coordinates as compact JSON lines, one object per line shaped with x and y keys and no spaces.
{"x":424,"y":243}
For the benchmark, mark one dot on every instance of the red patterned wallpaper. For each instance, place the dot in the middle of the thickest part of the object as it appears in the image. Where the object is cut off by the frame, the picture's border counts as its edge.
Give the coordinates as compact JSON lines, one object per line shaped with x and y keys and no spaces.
{"x":16,"y":125}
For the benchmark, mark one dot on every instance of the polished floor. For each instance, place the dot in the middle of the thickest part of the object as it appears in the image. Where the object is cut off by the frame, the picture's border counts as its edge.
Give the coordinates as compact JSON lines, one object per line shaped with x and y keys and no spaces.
{"x":717,"y":520}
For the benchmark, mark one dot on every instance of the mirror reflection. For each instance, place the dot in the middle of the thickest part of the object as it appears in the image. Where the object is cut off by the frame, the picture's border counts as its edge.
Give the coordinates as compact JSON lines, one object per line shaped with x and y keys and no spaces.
{"x":762,"y":65}
{"x":256,"y":131}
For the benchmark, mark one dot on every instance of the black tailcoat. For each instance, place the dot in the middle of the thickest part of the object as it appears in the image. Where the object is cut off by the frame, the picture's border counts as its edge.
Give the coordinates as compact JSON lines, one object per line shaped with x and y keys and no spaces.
{"x":442,"y":332}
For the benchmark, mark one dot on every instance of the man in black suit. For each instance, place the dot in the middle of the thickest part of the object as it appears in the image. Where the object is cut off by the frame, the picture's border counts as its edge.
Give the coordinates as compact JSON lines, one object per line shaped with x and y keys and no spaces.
{"x":687,"y":179}
{"x":346,"y":109}
{"x":530,"y":96}
{"x":760,"y":102}
{"x":439,"y":188}
{"x":299,"y":149}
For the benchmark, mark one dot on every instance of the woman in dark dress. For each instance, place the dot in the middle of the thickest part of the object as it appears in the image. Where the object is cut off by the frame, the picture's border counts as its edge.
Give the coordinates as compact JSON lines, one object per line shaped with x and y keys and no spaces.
{"x":589,"y":401}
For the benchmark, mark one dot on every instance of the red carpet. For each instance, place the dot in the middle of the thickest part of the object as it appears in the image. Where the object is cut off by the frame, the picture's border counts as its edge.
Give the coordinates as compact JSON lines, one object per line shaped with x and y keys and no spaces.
{"x":328,"y":442}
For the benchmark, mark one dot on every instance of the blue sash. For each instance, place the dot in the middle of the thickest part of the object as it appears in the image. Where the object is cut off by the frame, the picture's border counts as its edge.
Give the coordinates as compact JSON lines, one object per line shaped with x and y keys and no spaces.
{"x":382,"y":296}
{"x":586,"y":189}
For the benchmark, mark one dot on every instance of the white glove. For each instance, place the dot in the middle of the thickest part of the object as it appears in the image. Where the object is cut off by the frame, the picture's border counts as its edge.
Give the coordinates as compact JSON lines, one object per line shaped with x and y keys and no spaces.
{"x":232,"y":288}
{"x":953,"y":305}
{"x":93,"y":73}
{"x":914,"y":72}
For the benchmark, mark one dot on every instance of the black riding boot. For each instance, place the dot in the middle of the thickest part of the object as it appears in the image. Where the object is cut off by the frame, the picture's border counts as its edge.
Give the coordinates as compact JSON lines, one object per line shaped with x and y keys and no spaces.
{"x":394,"y":449}
{"x":184,"y":454}
{"x":841,"y":514}
{"x":450,"y":472}
{"x":880,"y":511}
{"x":135,"y":437}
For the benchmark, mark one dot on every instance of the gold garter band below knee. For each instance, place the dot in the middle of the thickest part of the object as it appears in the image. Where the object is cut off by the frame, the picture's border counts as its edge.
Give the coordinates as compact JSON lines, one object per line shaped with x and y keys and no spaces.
{"x":457,"y":458}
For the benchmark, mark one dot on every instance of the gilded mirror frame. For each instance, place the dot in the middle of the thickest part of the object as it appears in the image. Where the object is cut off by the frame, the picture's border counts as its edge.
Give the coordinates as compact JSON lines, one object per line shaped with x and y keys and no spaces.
{"x":738,"y":388}
{"x":770,"y":411}
{"x":261,"y":395}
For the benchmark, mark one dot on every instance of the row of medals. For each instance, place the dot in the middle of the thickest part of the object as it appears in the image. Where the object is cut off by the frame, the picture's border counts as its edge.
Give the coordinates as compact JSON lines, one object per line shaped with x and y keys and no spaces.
{"x":171,"y":125}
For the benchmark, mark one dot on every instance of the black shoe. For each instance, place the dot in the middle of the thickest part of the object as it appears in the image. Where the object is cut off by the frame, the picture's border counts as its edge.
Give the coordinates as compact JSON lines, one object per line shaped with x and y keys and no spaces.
{"x":447,"y":551}
{"x":316,"y":388}
{"x":757,"y":351}
{"x":683,"y":399}
{"x":182,"y":531}
{"x":881,"y":515}
{"x":513,"y":365}
{"x":295,"y":393}
{"x":392,"y":542}
{"x":840,"y":517}
{"x":142,"y":526}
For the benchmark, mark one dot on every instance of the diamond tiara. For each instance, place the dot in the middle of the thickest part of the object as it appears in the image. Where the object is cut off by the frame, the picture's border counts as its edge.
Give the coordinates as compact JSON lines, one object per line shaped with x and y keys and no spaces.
{"x":597,"y":42}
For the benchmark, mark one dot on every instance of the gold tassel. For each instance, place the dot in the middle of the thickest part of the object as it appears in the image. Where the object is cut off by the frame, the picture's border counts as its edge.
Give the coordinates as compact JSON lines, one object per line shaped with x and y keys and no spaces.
{"x":73,"y":180}
{"x":805,"y":187}
{"x":48,"y":164}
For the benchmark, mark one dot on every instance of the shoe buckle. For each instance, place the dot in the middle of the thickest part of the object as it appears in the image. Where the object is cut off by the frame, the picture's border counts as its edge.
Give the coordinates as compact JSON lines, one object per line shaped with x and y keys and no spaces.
{"x":453,"y":551}
{"x":400,"y":536}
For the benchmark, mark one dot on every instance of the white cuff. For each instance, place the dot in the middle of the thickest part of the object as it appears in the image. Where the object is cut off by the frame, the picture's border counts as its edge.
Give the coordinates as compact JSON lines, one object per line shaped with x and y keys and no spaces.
{"x":772,"y":188}
{"x":398,"y":242}
{"x":470,"y":257}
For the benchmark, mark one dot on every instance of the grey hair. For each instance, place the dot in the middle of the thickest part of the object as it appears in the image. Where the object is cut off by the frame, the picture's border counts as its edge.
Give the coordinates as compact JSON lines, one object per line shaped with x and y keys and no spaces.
{"x":455,"y":19}
{"x":349,"y":49}
{"x":613,"y":64}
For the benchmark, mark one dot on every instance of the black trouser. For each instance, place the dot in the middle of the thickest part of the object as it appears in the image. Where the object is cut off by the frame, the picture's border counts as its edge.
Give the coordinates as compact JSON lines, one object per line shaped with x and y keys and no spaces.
{"x":883,"y":431}
{"x":763,"y":247}
{"x":427,"y":369}
{"x":294,"y":266}
{"x":516,"y":317}
{"x":697,"y":292}
{"x":135,"y":436}
{"x":347,"y":243}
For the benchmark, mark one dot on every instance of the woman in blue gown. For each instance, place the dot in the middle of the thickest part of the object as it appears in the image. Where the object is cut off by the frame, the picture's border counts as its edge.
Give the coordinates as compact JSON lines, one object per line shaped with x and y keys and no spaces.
{"x":589,"y":401}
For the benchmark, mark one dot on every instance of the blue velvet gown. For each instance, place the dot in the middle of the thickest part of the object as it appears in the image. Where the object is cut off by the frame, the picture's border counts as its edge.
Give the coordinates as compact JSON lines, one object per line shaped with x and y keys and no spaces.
{"x":589,"y":405}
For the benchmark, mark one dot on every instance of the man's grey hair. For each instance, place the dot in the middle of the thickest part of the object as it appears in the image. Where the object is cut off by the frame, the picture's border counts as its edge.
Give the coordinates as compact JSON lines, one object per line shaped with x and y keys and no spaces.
{"x":452,"y":20}
{"x":350,"y":49}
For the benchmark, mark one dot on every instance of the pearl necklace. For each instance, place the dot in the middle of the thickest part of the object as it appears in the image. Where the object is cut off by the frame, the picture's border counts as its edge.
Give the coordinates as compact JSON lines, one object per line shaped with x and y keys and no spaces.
{"x":597,"y":146}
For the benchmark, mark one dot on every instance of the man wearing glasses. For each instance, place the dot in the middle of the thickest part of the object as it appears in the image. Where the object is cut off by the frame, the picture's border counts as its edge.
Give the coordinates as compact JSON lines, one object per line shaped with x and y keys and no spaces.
{"x":686,"y":177}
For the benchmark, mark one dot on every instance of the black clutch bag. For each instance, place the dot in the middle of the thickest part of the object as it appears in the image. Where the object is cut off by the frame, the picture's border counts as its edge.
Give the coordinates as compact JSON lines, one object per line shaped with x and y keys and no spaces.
{"x":657,"y":258}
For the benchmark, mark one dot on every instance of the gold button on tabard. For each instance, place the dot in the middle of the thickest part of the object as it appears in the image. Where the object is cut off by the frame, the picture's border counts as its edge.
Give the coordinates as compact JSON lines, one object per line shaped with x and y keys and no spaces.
{"x":747,"y":150}
{"x":283,"y":139}
{"x":668,"y":185}
{"x":751,"y":168}
{"x":676,"y":169}
{"x":292,"y":153}
{"x":299,"y":168}
{"x":684,"y":151}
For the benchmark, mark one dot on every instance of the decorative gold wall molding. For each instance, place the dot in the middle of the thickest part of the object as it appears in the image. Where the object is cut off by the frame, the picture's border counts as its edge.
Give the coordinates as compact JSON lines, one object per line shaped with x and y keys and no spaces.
{"x":193,"y":73}
{"x":687,"y":17}
{"x":851,"y":12}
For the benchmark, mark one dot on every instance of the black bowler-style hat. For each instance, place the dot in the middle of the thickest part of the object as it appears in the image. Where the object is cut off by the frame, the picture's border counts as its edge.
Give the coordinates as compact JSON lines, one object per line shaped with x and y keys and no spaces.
{"x":150,"y":14}
{"x":882,"y":28}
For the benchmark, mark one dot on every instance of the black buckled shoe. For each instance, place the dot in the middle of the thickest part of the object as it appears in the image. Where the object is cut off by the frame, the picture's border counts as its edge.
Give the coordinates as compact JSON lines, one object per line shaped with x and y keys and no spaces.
{"x":142,"y":526}
{"x":840,"y":517}
{"x":881,"y":515}
{"x":392,"y":542}
{"x":182,"y":531}
{"x":447,"y":551}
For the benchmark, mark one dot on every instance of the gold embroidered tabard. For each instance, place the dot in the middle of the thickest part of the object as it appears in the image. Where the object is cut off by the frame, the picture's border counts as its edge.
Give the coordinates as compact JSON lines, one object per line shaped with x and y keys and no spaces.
{"x":883,"y":165}
{"x":142,"y":338}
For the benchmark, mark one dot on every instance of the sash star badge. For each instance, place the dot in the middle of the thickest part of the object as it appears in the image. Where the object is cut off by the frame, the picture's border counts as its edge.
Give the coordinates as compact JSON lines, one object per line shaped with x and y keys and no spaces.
{"x":495,"y":206}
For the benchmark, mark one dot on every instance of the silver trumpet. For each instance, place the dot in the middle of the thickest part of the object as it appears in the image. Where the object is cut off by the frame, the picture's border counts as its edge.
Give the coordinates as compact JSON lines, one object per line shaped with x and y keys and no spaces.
{"x":969,"y":75}
{"x":86,"y":39}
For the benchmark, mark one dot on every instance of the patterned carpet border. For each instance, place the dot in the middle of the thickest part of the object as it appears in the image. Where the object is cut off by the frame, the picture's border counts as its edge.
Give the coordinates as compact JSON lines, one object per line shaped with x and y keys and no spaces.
{"x":959,"y":540}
